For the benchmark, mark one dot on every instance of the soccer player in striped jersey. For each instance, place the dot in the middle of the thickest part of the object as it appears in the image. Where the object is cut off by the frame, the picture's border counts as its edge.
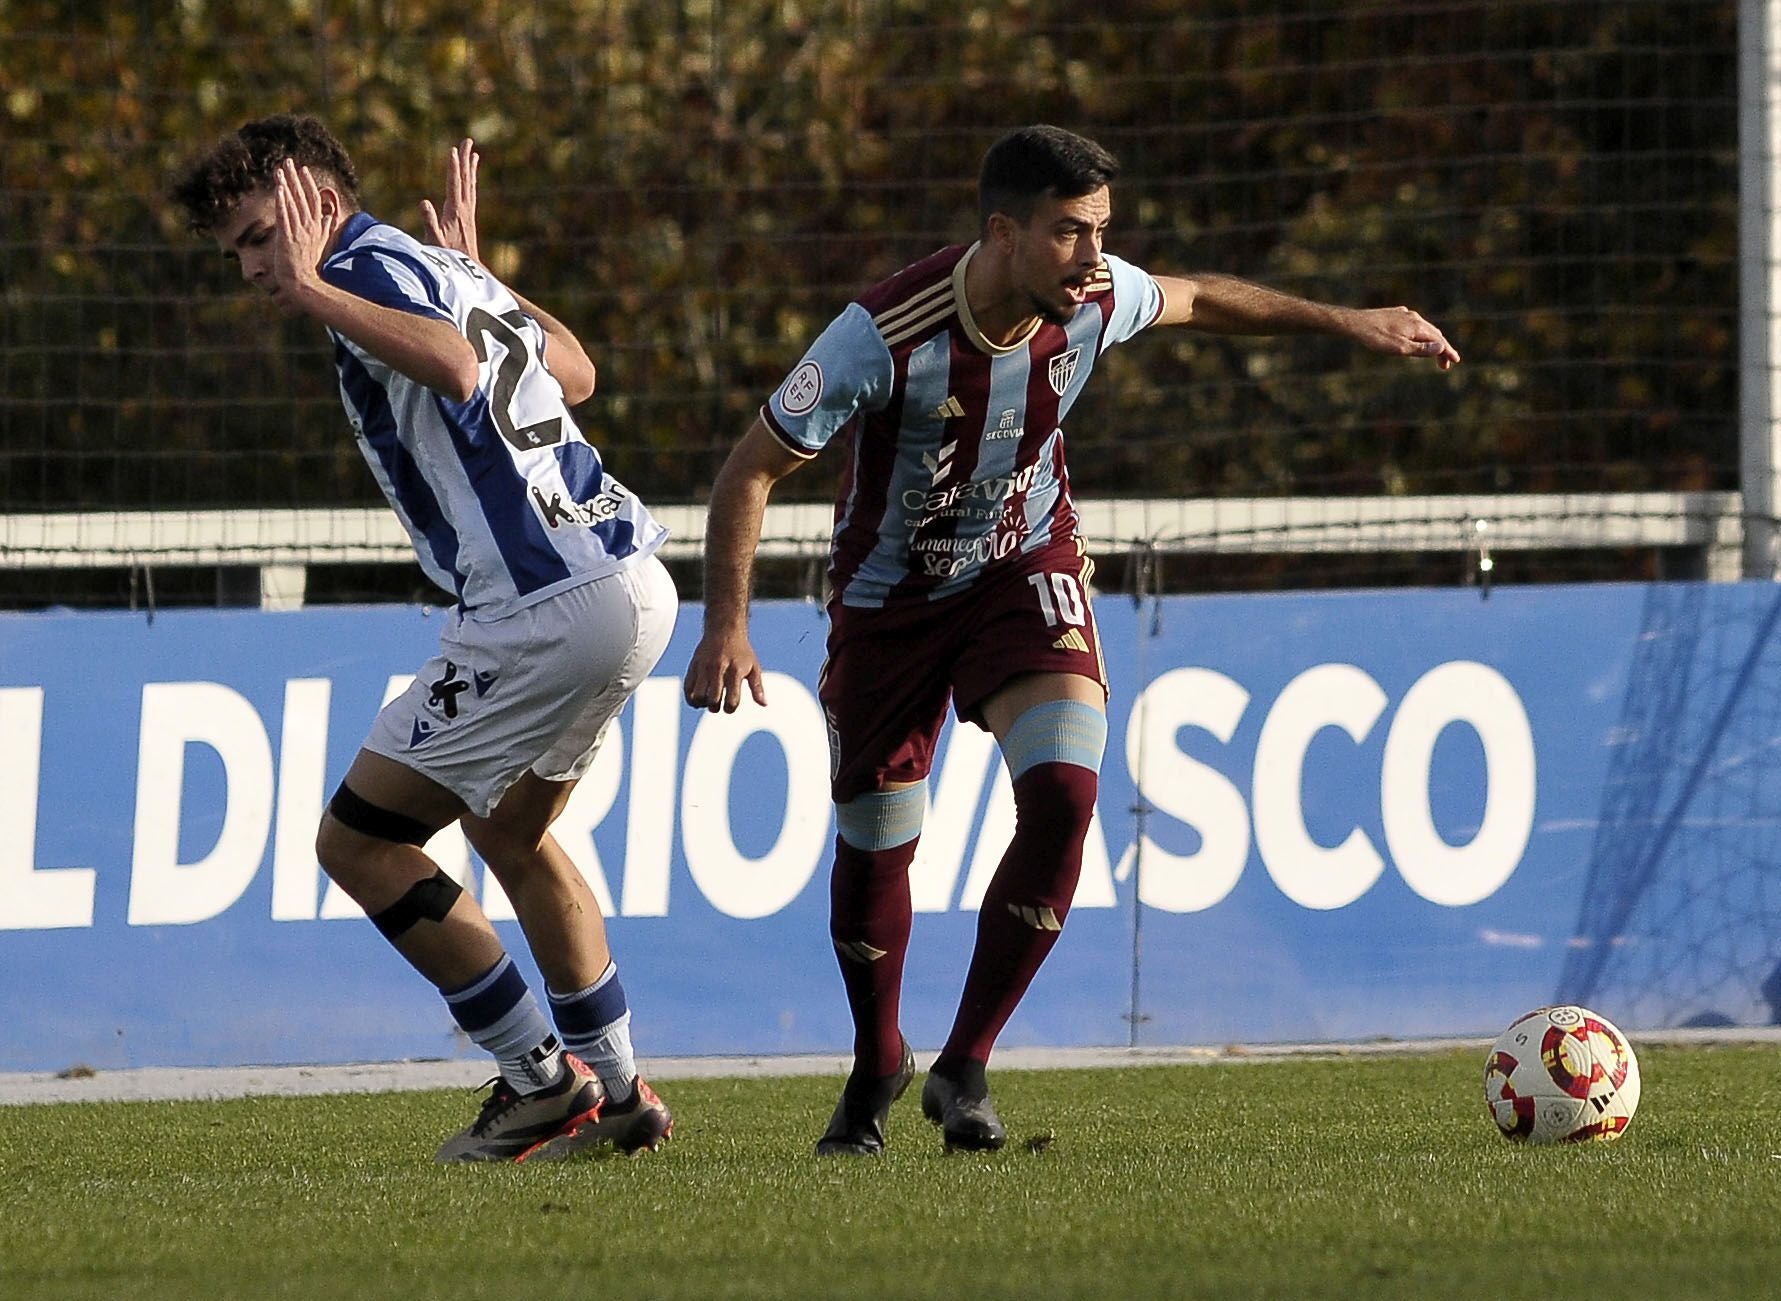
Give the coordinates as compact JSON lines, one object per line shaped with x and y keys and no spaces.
{"x":956,"y":572}
{"x":459,"y":392}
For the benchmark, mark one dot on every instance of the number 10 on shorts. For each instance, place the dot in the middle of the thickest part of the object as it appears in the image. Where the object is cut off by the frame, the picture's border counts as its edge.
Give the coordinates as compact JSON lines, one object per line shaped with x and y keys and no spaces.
{"x":1060,"y":599}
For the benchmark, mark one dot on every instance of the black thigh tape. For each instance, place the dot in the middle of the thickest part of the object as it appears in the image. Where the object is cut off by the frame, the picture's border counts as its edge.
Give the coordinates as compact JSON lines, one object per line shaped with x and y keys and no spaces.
{"x":364,"y":817}
{"x":427,"y":900}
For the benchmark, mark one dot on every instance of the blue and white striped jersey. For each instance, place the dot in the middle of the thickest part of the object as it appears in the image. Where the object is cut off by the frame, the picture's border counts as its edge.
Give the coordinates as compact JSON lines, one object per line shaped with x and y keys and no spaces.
{"x":504,"y":499}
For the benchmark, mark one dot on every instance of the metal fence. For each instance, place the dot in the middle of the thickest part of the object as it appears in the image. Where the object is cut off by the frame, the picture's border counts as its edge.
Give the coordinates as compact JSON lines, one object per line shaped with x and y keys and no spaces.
{"x":698,"y":186}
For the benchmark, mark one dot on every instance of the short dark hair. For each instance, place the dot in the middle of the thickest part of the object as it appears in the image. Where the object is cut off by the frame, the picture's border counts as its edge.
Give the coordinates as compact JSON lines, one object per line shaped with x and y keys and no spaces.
{"x":1034,"y":162}
{"x":247,"y":159}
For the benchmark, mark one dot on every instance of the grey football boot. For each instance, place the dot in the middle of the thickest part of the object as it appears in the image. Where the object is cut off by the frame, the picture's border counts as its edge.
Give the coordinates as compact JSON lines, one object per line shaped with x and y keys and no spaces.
{"x":513,"y":1126}
{"x":639,"y":1124}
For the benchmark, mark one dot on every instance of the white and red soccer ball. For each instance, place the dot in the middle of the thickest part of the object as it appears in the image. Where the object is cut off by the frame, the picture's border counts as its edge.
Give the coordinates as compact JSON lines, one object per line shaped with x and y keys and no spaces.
{"x":1561,"y":1075}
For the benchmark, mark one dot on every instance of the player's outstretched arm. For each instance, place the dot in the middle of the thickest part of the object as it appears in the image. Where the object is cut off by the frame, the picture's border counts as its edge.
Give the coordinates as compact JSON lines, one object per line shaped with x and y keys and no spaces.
{"x":1227,"y":305}
{"x":427,"y":350}
{"x":724,"y":659}
{"x":453,"y":226}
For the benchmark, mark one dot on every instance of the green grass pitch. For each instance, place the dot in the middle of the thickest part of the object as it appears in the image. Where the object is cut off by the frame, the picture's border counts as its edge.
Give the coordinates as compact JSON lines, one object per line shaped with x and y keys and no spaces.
{"x":1375,"y":1176}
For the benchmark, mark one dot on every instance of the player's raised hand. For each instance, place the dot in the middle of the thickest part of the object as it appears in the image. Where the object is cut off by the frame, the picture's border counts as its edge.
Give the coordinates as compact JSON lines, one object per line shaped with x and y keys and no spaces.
{"x":1401,"y":332}
{"x":720,"y":665}
{"x":303,"y":233}
{"x":455,"y":227}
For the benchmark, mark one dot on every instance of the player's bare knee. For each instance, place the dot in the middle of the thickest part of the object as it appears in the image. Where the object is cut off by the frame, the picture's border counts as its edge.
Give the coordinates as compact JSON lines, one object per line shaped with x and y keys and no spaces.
{"x":354,"y":831}
{"x":362,"y":846}
{"x":492,"y":846}
{"x":499,"y":841}
{"x":521,"y":877}
{"x":340,"y":851}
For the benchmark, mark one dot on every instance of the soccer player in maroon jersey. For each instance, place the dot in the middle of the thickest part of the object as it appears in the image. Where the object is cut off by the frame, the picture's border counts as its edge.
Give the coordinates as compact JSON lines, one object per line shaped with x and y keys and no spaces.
{"x":957,"y":573}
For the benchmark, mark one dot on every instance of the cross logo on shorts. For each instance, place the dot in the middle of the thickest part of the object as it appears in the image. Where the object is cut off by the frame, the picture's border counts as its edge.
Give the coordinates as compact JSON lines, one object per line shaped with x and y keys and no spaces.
{"x":446,"y":691}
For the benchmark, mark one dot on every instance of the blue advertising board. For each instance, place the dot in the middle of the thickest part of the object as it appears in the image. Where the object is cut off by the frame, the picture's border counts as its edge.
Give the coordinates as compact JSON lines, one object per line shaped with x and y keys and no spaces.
{"x":1321,"y":817}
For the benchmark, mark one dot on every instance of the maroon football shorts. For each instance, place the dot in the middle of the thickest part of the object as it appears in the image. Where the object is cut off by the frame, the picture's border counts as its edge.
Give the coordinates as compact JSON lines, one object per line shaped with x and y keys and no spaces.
{"x":890,"y":672}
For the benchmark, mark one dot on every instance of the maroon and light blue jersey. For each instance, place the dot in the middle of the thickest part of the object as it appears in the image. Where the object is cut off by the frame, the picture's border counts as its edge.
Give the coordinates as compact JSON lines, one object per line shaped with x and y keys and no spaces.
{"x":958,"y":456}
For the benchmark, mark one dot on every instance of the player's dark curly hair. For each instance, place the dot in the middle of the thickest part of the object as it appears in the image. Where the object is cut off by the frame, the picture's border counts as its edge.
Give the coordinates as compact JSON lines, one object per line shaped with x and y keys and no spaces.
{"x":246,"y":160}
{"x":1025,"y":166}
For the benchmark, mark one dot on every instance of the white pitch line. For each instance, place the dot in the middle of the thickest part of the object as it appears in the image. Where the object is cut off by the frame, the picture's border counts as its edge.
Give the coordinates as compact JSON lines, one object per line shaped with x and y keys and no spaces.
{"x":168,"y":1083}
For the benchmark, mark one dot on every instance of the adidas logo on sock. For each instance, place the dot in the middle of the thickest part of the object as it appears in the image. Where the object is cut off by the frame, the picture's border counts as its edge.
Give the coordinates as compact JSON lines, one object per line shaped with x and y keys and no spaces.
{"x":1040,"y":919}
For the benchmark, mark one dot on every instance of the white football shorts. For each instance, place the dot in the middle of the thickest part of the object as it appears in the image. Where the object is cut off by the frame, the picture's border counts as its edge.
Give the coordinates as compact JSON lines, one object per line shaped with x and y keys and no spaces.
{"x":533,"y":691}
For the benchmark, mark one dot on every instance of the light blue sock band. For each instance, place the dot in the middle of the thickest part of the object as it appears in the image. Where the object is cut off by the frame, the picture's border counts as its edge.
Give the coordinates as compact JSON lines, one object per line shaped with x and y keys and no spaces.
{"x":1058,"y":731}
{"x":882,"y":819}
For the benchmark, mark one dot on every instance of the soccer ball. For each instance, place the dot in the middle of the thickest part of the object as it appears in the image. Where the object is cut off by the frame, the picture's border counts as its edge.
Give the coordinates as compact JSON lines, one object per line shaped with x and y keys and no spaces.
{"x":1561,"y":1075}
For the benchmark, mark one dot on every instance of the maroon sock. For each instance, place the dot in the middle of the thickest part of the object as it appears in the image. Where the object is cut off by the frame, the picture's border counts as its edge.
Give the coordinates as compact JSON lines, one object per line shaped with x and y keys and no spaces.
{"x":869,"y":920}
{"x":1026,"y":903}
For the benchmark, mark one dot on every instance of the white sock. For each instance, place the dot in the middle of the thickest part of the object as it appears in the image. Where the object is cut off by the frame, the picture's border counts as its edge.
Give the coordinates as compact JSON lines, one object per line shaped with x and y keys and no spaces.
{"x":596,"y":1026}
{"x":500,"y":1014}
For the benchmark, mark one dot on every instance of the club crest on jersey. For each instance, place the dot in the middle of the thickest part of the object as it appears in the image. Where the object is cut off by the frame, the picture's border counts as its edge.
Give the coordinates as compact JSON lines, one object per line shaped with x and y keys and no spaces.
{"x":802,"y":390}
{"x":1062,"y":367}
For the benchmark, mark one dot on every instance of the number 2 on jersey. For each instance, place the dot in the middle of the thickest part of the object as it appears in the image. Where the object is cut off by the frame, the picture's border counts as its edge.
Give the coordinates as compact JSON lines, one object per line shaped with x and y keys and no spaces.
{"x":504,"y":329}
